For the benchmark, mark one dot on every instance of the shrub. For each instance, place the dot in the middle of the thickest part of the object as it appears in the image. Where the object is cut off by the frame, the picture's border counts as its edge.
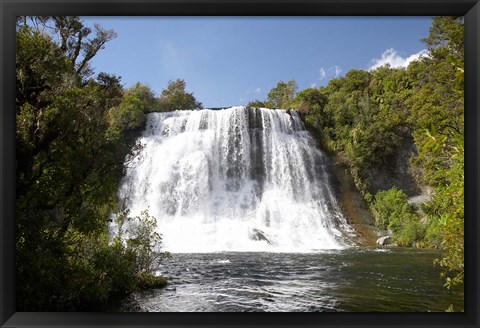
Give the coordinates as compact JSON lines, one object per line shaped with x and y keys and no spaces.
{"x":141,"y":239}
{"x":389,"y":207}
{"x":392,"y":212}
{"x":128,"y":115}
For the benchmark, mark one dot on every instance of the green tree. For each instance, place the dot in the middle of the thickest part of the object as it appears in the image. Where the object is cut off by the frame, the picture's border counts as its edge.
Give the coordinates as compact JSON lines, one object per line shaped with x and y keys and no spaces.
{"x":74,"y":38}
{"x":282,"y":95}
{"x":111,"y":86}
{"x":256,"y":104}
{"x":174,"y":97}
{"x":311,"y":101}
{"x":437,"y":110}
{"x":310,"y":104}
{"x":146,"y":96}
{"x":129,"y":115}
{"x":446,"y":40}
{"x":68,"y":168}
{"x":437,"y":103}
{"x":360,"y":116}
{"x":41,"y":68}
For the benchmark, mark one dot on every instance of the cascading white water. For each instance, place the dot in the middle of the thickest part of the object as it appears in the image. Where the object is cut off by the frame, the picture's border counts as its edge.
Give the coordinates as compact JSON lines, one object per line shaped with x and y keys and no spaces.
{"x":236,"y":179}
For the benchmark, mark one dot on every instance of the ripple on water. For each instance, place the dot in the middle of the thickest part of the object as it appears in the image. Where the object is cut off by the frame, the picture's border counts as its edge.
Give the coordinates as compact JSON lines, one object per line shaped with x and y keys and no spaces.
{"x":349,"y":280}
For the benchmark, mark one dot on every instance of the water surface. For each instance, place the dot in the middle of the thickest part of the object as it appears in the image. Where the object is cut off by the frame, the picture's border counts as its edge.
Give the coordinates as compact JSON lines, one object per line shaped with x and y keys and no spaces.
{"x":353,"y":280}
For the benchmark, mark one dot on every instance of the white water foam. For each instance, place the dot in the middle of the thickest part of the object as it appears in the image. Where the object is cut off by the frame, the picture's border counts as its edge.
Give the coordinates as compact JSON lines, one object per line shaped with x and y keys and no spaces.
{"x":236,"y":179}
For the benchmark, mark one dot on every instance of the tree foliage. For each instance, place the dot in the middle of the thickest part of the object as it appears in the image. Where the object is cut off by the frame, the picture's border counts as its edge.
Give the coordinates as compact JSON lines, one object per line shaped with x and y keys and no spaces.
{"x":360,"y":116}
{"x":311,"y":101}
{"x":73,"y":134}
{"x":282,"y":95}
{"x":392,"y":212}
{"x":256,"y":104}
{"x":41,"y":67}
{"x":74,"y":39}
{"x":128,"y":115}
{"x":174,"y":97}
{"x":439,"y":136}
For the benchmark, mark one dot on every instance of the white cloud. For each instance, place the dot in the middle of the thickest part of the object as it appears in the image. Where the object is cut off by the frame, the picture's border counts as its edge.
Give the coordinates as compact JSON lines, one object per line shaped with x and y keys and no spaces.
{"x":327,"y":74}
{"x":313,"y":85}
{"x":338,"y":70}
{"x":391,"y":57}
{"x":322,"y":73}
{"x":257,"y":90}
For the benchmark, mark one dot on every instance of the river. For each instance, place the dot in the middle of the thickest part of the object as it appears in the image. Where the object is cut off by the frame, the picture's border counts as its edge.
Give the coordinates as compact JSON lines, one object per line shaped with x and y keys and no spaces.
{"x":352,"y":280}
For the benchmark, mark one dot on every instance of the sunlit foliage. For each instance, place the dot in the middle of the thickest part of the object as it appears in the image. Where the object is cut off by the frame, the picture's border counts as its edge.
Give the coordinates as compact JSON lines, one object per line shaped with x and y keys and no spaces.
{"x":174,"y":97}
{"x":73,"y":134}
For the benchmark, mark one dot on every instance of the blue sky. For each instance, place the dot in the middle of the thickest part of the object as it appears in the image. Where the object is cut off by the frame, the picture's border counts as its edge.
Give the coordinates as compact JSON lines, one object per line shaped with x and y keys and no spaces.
{"x":232,"y":60}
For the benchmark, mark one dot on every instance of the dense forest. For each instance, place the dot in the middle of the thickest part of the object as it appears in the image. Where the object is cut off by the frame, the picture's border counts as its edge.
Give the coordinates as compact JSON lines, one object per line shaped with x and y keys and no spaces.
{"x":76,"y":131}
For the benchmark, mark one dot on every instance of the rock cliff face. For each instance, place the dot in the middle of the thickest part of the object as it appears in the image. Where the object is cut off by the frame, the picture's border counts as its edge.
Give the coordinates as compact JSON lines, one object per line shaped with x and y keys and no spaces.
{"x":396,"y":172}
{"x":354,"y":207}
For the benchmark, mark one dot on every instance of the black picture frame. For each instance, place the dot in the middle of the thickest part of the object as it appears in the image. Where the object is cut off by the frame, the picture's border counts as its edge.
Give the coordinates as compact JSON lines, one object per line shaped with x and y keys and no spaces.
{"x":10,"y":9}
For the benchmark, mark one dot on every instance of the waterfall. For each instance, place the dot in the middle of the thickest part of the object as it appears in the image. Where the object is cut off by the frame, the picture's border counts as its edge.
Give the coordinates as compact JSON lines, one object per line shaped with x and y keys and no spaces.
{"x":237,"y":179}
